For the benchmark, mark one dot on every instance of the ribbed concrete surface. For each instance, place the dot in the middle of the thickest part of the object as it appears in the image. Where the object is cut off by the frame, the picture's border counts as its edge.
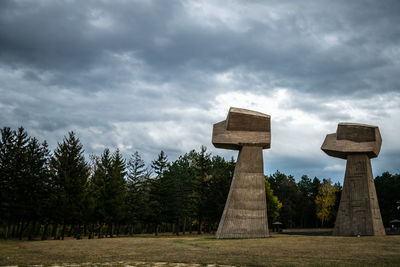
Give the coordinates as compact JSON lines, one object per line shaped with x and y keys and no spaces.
{"x":245,"y":213}
{"x":359,"y":212}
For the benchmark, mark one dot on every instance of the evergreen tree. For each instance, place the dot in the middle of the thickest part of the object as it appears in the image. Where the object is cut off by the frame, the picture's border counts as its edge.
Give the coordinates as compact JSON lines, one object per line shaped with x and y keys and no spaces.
{"x":108,"y":190}
{"x":137,"y":171}
{"x":201,"y":162}
{"x":70,"y":176}
{"x":285,"y":188}
{"x":388,"y":192}
{"x":158,"y":190}
{"x":160,"y":164}
{"x":178,"y":182}
{"x":19,"y":175}
{"x":115,"y":192}
{"x":137,"y":198}
{"x":309,"y":190}
{"x":37,"y":184}
{"x":7,"y":187}
{"x":101,"y":169}
{"x":218,"y":189}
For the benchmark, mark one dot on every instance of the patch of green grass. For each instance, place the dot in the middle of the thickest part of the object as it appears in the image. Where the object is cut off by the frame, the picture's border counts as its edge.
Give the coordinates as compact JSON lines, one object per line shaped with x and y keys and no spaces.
{"x":278,"y":250}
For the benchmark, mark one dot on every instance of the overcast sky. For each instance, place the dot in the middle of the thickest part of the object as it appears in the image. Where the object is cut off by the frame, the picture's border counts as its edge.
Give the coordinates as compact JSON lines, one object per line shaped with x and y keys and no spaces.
{"x":155,"y":75}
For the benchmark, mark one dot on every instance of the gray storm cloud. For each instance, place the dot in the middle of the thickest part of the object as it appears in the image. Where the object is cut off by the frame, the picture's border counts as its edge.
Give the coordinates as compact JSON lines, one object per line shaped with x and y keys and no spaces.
{"x":152,"y":75}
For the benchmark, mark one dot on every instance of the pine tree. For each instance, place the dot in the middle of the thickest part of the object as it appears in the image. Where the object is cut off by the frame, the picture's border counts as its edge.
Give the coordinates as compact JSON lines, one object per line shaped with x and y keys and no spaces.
{"x":101,"y":171}
{"x":37,"y":195}
{"x":178,"y":184}
{"x":201,"y":162}
{"x":287,"y":191}
{"x":115,"y":192}
{"x":19,"y":167}
{"x":138,"y":189}
{"x":137,"y":171}
{"x":160,"y":164}
{"x":387,"y":189}
{"x":19,"y":174}
{"x":108,"y":190}
{"x":70,"y":176}
{"x":7,"y":187}
{"x":218,"y":189}
{"x":158,"y":190}
{"x":309,"y":190}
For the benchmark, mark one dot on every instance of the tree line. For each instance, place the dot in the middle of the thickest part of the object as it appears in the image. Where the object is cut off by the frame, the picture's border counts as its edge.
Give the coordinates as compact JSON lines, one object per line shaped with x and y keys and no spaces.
{"x":46,"y":194}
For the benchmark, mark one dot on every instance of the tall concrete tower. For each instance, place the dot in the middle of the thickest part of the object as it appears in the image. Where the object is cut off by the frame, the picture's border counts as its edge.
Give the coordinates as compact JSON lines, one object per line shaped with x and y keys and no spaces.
{"x":245,"y":212}
{"x":359,"y":212}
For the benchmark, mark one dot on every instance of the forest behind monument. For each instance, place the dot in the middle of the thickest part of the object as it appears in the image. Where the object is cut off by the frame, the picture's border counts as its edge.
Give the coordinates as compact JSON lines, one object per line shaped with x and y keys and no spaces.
{"x":46,"y":194}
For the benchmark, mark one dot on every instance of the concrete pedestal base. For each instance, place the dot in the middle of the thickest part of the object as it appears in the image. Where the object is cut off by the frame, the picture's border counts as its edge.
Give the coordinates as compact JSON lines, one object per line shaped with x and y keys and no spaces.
{"x":245,"y":212}
{"x":359,"y":212}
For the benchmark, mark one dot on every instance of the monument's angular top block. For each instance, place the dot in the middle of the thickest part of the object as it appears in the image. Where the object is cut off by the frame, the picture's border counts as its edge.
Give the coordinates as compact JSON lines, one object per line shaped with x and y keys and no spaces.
{"x":242,"y":127}
{"x":351,"y":138}
{"x":247,"y":120}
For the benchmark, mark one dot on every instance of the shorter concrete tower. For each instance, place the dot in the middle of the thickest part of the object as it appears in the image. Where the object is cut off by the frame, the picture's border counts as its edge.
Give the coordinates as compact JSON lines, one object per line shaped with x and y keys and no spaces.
{"x":245,"y":212}
{"x":359,"y":212}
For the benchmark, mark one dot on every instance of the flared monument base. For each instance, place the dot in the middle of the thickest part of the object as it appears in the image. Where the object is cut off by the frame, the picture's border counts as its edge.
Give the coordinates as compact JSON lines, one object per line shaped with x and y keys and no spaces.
{"x":359,"y":212}
{"x":245,"y":212}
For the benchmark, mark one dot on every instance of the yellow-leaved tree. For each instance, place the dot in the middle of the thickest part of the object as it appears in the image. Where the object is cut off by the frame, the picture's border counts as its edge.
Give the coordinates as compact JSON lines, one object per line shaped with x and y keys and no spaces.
{"x":273,"y":203}
{"x":325,"y":200}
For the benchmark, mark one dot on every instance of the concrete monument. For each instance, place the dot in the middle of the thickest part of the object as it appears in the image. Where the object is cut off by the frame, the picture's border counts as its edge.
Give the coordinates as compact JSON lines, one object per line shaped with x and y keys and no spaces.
{"x":359,"y":212}
{"x":245,"y":212}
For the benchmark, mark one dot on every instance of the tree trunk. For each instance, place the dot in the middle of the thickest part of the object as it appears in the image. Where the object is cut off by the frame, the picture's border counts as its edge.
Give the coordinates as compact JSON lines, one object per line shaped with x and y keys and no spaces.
{"x":130,"y":229}
{"x":6,"y":231}
{"x":19,"y":223}
{"x":199,"y":227}
{"x":70,"y":230}
{"x":118,"y":228}
{"x":100,"y":233}
{"x":13,"y":230}
{"x":156,"y":230}
{"x":111,"y":230}
{"x":127,"y":229}
{"x":37,"y":229}
{"x":184,"y":226}
{"x":63,"y":231}
{"x":177,"y":227}
{"x":55,"y":231}
{"x":44,"y":234}
{"x":190,"y":225}
{"x":32,"y":230}
{"x":21,"y":231}
{"x":77,"y":233}
{"x":90,"y":236}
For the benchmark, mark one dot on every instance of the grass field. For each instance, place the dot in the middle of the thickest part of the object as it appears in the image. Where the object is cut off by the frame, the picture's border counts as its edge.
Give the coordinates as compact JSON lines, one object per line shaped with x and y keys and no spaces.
{"x":279,"y":250}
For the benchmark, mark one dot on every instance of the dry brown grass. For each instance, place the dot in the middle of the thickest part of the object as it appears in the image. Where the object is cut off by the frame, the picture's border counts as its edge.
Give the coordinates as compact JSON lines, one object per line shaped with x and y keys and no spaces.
{"x":277,"y":250}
